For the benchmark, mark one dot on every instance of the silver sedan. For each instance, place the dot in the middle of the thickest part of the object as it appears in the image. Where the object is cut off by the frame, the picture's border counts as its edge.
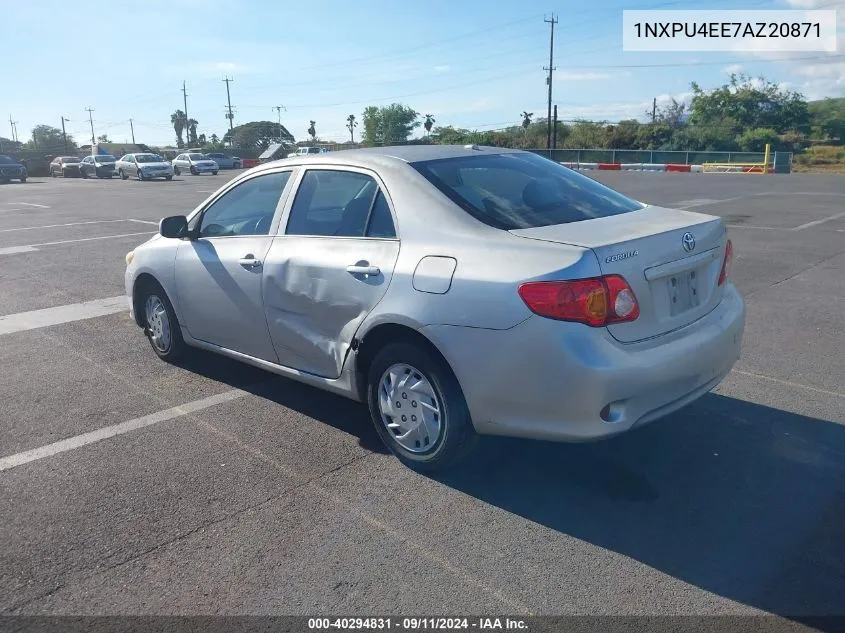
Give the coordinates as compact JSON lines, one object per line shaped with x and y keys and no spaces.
{"x":456,"y":290}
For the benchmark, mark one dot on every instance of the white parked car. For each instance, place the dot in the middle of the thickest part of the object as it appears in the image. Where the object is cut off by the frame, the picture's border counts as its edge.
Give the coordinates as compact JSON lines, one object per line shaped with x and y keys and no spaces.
{"x":195,"y":164}
{"x":308,"y":151}
{"x":143,"y":167}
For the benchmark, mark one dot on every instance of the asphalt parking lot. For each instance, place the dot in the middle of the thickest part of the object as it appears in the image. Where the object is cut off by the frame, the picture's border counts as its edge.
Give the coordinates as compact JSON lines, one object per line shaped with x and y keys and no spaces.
{"x":238,"y":492}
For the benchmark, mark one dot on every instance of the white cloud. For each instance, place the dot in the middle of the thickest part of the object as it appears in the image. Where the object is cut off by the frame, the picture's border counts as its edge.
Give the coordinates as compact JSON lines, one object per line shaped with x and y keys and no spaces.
{"x":732,"y":69}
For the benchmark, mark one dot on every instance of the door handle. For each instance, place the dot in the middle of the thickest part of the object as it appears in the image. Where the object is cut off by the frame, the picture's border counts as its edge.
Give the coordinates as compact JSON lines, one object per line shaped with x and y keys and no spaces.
{"x":249,"y":261}
{"x":363,"y":270}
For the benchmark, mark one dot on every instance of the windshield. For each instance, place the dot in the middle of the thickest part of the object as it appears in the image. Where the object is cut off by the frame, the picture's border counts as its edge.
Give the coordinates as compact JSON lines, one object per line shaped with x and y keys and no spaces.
{"x":148,"y":158}
{"x":197,"y":157}
{"x":5,"y":160}
{"x":313,"y":150}
{"x":105,"y":158}
{"x":519,"y":191}
{"x":71,"y":159}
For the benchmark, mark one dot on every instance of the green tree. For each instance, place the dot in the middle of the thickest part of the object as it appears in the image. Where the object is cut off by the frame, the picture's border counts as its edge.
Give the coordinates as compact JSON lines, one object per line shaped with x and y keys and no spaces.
{"x":389,"y":125}
{"x":755,"y":139}
{"x":256,"y":135}
{"x":312,"y":131}
{"x":49,"y":139}
{"x":827,"y":120}
{"x":8,"y":145}
{"x":752,"y":103}
{"x":177,"y":120}
{"x":103,"y":138}
{"x":351,"y":124}
{"x":526,"y":119}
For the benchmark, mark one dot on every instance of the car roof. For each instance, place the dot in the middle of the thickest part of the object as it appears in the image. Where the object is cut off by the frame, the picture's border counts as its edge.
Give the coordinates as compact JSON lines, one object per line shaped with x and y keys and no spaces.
{"x":376,"y":156}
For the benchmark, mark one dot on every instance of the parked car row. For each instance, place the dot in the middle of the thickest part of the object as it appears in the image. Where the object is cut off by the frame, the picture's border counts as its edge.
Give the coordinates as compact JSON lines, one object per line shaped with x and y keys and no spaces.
{"x":143,"y":166}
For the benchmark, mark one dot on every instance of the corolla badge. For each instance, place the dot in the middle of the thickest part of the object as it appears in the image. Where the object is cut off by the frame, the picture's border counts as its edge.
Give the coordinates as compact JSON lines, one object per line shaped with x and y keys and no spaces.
{"x":688,"y":241}
{"x":621,"y":256}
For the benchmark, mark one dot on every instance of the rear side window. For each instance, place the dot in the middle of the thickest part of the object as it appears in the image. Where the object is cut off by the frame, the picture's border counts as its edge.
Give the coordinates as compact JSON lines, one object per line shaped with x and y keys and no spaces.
{"x":520,"y":191}
{"x":340,"y":204}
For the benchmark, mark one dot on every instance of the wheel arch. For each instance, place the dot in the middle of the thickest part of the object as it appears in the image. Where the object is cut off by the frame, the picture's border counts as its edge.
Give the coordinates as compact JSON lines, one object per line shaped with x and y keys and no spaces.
{"x":375,"y":339}
{"x":142,"y":282}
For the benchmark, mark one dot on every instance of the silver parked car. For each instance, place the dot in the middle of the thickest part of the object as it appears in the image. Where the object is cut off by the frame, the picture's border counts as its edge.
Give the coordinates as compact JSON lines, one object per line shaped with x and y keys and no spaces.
{"x":526,"y":299}
{"x":143,"y":167}
{"x":194,"y":164}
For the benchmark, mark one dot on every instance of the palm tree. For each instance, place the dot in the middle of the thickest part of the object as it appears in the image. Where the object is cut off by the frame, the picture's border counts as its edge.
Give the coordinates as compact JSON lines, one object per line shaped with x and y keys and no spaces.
{"x":351,"y":124}
{"x":312,"y":131}
{"x":429,"y":122}
{"x":215,"y":139}
{"x":192,"y":131}
{"x":526,"y":119}
{"x":177,"y":119}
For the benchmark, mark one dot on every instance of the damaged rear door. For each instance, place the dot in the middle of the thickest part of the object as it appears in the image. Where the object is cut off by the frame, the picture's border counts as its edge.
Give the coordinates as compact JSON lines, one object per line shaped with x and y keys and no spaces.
{"x":328,"y":267}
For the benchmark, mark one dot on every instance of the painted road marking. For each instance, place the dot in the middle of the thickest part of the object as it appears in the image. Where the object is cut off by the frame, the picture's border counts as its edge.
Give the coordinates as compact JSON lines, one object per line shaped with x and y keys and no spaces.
{"x":46,"y":317}
{"x":31,"y":204}
{"x":35,"y":247}
{"x":85,"y":439}
{"x":789,"y":383}
{"x":53,"y":226}
{"x":12,"y":250}
{"x":817,"y":222}
{"x":143,"y":221}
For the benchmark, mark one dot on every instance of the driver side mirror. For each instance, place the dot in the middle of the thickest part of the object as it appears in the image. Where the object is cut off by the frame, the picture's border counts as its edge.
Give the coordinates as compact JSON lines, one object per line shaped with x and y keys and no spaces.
{"x":176,"y":226}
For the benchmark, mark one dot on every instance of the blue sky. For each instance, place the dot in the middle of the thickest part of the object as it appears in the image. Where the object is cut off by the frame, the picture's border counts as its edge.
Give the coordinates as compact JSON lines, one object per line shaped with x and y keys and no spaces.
{"x":470,"y":63}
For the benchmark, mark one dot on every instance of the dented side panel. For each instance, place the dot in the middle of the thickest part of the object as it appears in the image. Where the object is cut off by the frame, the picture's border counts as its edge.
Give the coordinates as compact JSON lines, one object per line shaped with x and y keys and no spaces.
{"x":314,"y":305}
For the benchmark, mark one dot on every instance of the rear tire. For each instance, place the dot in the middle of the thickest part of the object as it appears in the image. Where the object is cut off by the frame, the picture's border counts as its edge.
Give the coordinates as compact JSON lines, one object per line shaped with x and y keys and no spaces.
{"x":161,"y":327}
{"x":193,"y":171}
{"x":176,"y":171}
{"x":122,"y":175}
{"x":168,"y":177}
{"x":23,"y":180}
{"x":407,"y":375}
{"x":140,"y":175}
{"x":52,"y":173}
{"x":214,"y":173}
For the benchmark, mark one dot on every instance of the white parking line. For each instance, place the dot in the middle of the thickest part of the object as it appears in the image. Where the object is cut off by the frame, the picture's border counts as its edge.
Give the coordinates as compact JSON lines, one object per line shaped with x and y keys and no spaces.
{"x":12,"y":250}
{"x":143,"y":221}
{"x":35,"y":247}
{"x":53,"y":226}
{"x":31,"y":204}
{"x":85,"y":439}
{"x":789,"y":383}
{"x":817,"y":222}
{"x":35,"y":319}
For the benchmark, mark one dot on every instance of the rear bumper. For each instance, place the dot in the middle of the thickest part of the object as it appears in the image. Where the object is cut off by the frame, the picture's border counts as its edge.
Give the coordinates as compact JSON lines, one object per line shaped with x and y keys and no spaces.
{"x":550,"y":380}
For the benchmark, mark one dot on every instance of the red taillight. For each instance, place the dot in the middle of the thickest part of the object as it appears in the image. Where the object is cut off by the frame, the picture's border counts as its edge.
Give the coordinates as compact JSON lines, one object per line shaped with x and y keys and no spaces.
{"x":726,"y":263}
{"x":596,"y":301}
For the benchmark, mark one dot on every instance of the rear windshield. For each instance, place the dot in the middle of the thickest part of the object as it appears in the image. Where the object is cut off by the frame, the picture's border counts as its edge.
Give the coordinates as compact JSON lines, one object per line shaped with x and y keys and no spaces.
{"x":521,"y":191}
{"x":148,"y":158}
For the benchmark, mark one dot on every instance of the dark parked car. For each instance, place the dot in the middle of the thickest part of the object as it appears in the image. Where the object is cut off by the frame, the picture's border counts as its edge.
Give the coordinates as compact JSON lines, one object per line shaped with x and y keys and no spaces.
{"x":101,"y":166}
{"x":225,"y":161}
{"x":66,"y":166}
{"x":10,"y":169}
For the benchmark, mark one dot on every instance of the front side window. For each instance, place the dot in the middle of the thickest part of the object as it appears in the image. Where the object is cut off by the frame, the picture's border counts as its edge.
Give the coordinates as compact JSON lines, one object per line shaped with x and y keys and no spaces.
{"x":341,"y":204}
{"x":522,"y":190}
{"x":247,"y":209}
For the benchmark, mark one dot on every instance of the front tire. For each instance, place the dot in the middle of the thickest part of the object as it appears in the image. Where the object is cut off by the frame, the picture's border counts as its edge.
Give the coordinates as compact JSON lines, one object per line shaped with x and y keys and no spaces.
{"x":140,"y":175}
{"x":193,"y":171}
{"x":23,"y":180}
{"x":122,"y":175}
{"x":418,"y":408}
{"x":161,"y":326}
{"x":168,"y":177}
{"x":176,"y":171}
{"x":214,"y":173}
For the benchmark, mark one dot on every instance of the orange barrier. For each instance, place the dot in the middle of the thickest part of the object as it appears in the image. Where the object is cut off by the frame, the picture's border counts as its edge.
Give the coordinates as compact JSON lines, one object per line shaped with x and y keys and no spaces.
{"x":610,"y":166}
{"x":677,"y":167}
{"x":250,"y":162}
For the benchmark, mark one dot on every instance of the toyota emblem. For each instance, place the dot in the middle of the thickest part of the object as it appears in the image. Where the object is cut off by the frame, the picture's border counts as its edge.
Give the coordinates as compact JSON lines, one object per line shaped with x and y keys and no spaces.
{"x":688,"y":241}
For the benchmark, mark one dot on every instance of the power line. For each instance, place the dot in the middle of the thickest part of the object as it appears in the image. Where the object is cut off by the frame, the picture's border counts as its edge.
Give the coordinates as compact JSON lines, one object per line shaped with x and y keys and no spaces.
{"x":729,"y":61}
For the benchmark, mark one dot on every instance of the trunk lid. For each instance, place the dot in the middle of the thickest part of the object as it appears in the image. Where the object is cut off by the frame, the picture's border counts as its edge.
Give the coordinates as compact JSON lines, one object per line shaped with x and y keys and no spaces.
{"x":674,"y":278}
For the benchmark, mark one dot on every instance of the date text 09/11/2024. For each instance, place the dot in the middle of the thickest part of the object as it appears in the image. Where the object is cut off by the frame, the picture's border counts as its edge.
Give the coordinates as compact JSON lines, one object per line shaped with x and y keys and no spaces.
{"x":417,"y":624}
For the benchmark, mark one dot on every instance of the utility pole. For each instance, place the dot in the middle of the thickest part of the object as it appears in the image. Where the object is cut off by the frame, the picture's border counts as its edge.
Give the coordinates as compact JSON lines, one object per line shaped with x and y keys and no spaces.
{"x":229,"y":114}
{"x":654,"y":110}
{"x":554,"y":130}
{"x":91,"y":121}
{"x":15,"y":131}
{"x":551,"y":22}
{"x":132,"y":127}
{"x":187,"y":127}
{"x":278,"y":110}
{"x":64,"y":134}
{"x":12,"y":125}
